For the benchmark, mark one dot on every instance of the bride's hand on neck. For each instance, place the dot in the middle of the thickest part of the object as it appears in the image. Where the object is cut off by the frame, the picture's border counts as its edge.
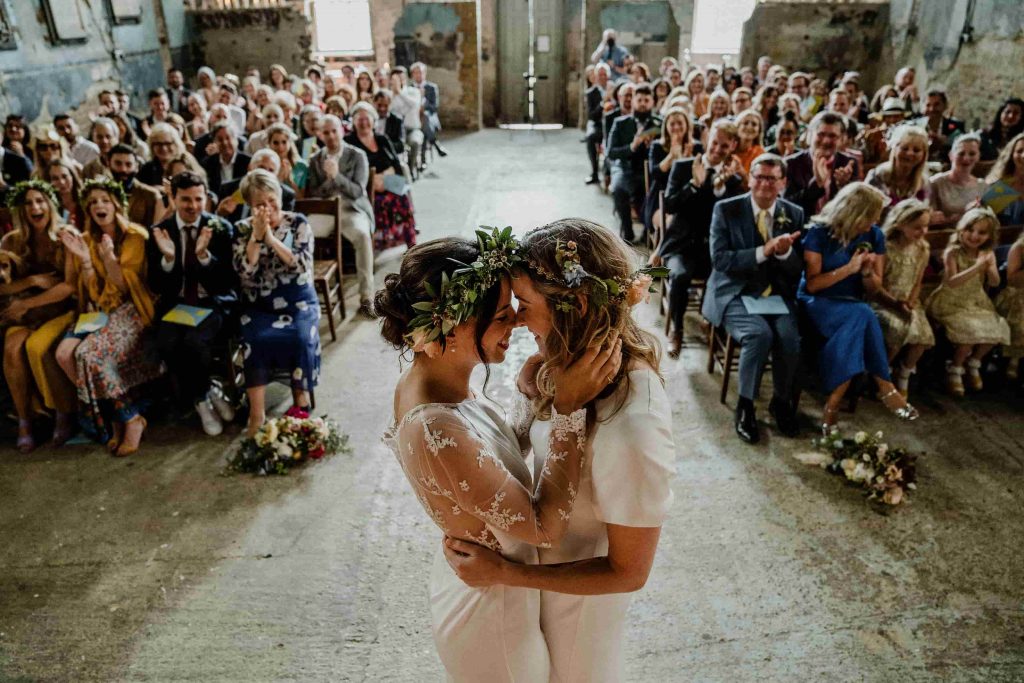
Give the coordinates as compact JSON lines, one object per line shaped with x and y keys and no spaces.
{"x":527,"y":382}
{"x":581,"y":382}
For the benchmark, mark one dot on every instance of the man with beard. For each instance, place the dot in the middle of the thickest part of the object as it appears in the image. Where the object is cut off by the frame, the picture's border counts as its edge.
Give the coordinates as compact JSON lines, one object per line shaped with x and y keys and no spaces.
{"x":144,"y":203}
{"x":627,"y":148}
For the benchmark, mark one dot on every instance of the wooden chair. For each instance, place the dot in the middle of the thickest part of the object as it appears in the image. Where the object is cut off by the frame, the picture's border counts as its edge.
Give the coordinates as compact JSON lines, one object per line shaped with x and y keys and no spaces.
{"x":325,"y":219}
{"x":695,"y":296}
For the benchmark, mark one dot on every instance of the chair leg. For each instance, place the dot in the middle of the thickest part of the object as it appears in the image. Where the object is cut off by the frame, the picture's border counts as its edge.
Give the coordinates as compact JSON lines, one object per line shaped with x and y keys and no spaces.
{"x":730,"y":350}
{"x":325,"y":291}
{"x":712,"y":343}
{"x":665,"y":308}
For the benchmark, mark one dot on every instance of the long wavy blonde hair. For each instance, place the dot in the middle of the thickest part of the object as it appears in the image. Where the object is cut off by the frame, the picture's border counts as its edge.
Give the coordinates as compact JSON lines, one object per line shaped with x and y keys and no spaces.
{"x":847,"y":212}
{"x":20,"y":240}
{"x":577,"y":327}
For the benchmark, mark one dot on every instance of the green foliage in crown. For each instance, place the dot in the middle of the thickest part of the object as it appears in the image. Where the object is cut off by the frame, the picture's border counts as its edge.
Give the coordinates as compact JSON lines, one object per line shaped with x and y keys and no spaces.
{"x":462,"y":294}
{"x":114,"y":188}
{"x":16,"y":197}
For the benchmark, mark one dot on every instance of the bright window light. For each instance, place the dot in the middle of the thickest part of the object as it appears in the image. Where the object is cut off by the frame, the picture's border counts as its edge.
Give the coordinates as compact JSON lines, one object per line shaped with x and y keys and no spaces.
{"x":718,"y":25}
{"x":342,"y":27}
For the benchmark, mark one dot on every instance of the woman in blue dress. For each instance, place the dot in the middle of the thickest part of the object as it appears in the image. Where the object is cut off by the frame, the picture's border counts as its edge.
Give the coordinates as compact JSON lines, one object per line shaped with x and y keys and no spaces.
{"x":844,"y":253}
{"x":280,"y":319}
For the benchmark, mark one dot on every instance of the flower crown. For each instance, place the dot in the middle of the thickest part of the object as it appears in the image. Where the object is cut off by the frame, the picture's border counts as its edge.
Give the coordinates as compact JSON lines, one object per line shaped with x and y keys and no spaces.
{"x":112,"y":187}
{"x":16,"y":196}
{"x":630,"y":290}
{"x":462,"y":293}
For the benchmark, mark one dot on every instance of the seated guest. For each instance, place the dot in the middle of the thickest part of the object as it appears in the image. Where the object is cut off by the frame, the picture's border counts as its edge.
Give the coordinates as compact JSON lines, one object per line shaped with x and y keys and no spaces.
{"x":754,"y":254}
{"x":177,"y":123}
{"x":106,"y":365}
{"x":232,"y":205}
{"x":81,"y":150}
{"x":628,"y":146}
{"x":719,"y":107}
{"x":189,"y":257}
{"x":742,"y":100}
{"x":1010,"y":305}
{"x":14,"y":169}
{"x":207,"y":79}
{"x":844,"y":255}
{"x":961,"y":305}
{"x":618,"y":103}
{"x":341,"y":170}
{"x":336,"y":106}
{"x":694,"y":187}
{"x":159,"y":108}
{"x":429,"y":110}
{"x":695,"y":91}
{"x":897,"y":304}
{"x":365,"y":87}
{"x":126,"y":135}
{"x":816,"y":174}
{"x":676,"y":144}
{"x":66,"y":182}
{"x":206,"y":146}
{"x":167,"y":146}
{"x":785,"y":135}
{"x":177,"y":93}
{"x":227,"y":95}
{"x":309,"y":122}
{"x":766,"y":104}
{"x":48,"y":147}
{"x":957,"y":189}
{"x":17,"y":138}
{"x":293,"y":170}
{"x":280,"y":312}
{"x":105,"y":135}
{"x":594,"y":98}
{"x":270,"y":115}
{"x":942,"y":130}
{"x":145,"y":205}
{"x":1008,"y":123}
{"x":392,"y":211}
{"x":197,"y":123}
{"x":1005,"y":193}
{"x":278,"y":77}
{"x":228,"y":163}
{"x":904,"y":175}
{"x":750,"y":127}
{"x":405,"y":103}
{"x":37,"y":321}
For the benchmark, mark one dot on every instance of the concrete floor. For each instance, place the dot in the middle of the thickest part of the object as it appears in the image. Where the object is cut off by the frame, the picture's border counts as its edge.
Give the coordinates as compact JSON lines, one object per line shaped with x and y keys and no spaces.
{"x":158,"y":569}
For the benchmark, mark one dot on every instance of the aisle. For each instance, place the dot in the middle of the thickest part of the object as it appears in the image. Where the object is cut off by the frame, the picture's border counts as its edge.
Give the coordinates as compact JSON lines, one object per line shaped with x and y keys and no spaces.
{"x":157,"y":569}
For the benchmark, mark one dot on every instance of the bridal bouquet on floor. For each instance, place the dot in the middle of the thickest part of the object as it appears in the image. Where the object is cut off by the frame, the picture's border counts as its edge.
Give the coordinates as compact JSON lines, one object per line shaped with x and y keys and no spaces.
{"x":884,"y":472}
{"x":285,"y":442}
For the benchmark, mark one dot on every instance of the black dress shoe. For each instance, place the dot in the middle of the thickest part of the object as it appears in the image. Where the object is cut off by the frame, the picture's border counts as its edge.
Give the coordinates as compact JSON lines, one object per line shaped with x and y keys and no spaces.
{"x":746,"y":421}
{"x":591,"y":180}
{"x":441,"y":151}
{"x":785,"y":417}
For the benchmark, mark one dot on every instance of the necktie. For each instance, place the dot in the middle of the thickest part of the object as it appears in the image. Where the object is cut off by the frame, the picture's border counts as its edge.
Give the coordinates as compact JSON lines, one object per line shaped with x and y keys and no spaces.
{"x":191,"y":261}
{"x":762,"y":227}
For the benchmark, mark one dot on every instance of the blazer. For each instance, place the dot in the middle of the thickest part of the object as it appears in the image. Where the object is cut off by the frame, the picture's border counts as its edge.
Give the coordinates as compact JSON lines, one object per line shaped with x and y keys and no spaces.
{"x":151,"y":173}
{"x":350,"y":183}
{"x":606,"y":124}
{"x":734,"y":243}
{"x":204,"y":140}
{"x":624,"y":129}
{"x":691,"y":207}
{"x":182,"y":104}
{"x":394,"y":130}
{"x":431,"y":102}
{"x":15,"y":168}
{"x":143,"y":201}
{"x":211,"y":165}
{"x":218,"y":277}
{"x":240,"y":212}
{"x":594,"y":98}
{"x":800,"y":186}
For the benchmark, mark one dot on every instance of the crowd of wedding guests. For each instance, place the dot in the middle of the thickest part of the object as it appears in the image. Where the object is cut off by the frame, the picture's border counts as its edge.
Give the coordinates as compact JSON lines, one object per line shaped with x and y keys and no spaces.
{"x":139,"y":247}
{"x":798,"y":207}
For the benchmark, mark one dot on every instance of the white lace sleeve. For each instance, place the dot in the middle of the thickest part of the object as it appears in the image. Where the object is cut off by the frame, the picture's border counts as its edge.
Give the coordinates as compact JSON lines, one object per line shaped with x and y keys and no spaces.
{"x":460,"y":480}
{"x":521,"y":418}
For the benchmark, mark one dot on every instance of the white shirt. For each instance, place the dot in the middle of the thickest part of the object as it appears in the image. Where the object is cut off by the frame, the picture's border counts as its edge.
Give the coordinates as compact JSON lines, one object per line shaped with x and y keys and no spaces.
{"x":759,"y":254}
{"x":227,"y":171}
{"x":168,"y":266}
{"x":84,"y":151}
{"x":407,"y":105}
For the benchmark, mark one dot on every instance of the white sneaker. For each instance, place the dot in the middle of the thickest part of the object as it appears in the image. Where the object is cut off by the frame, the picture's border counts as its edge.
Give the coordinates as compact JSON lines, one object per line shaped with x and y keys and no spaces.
{"x":221,"y":405}
{"x":211,"y":423}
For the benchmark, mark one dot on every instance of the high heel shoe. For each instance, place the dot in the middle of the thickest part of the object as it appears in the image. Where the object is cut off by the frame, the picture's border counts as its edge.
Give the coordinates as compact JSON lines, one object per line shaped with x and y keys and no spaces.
{"x":116,"y":439}
{"x":829,"y":419}
{"x":26,"y":443}
{"x":126,"y":448}
{"x":904,"y":411}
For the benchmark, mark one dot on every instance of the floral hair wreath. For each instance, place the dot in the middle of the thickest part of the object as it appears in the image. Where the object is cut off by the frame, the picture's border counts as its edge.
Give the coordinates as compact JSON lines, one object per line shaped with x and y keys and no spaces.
{"x":112,"y":187}
{"x":16,"y":196}
{"x":461,"y":294}
{"x":630,"y":290}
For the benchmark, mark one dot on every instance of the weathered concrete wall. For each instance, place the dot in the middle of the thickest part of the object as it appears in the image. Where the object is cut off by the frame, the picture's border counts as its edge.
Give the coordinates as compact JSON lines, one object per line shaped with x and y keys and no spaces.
{"x":650,"y":30}
{"x":978,"y":74}
{"x":232,"y":40}
{"x":820,"y":37}
{"x":39,"y":78}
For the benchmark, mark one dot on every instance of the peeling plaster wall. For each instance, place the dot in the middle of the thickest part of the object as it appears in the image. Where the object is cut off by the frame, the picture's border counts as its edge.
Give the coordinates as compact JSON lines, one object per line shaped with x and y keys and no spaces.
{"x":40,"y":79}
{"x":232,"y":40}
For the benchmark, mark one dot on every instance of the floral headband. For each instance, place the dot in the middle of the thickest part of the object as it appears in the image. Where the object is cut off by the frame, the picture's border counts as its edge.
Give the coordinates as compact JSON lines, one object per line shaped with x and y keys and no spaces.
{"x":112,"y":187}
{"x":630,"y":290}
{"x":462,"y":293}
{"x":16,"y":197}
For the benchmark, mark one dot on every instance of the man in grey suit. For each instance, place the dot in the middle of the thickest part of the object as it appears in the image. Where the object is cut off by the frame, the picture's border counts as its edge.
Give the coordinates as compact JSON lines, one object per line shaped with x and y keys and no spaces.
{"x":429,"y":109}
{"x":755,"y":255}
{"x":342,"y":170}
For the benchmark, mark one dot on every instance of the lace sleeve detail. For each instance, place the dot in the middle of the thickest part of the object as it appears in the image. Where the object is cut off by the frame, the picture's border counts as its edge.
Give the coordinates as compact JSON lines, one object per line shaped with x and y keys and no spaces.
{"x":456,"y":472}
{"x":521,"y":418}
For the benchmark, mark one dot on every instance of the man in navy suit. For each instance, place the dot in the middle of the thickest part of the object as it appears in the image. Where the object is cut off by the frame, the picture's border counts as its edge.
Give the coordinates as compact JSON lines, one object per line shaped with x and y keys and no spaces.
{"x":228,"y":163}
{"x":755,"y":254}
{"x":189,"y":262}
{"x":694,"y":187}
{"x":815,"y":175}
{"x":627,"y":148}
{"x":14,"y":168}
